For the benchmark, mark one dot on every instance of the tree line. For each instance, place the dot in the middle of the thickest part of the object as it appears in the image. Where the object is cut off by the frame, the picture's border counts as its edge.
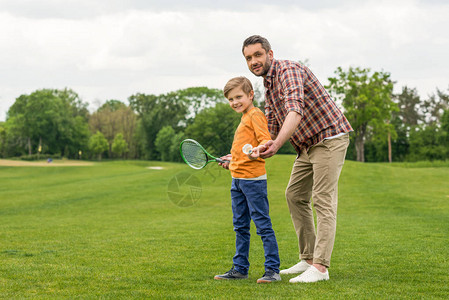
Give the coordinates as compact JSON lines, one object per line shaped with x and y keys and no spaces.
{"x":57,"y":123}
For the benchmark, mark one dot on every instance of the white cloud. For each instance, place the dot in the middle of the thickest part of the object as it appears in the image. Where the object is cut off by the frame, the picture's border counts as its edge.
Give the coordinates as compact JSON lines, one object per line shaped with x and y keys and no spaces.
{"x":113,"y":49}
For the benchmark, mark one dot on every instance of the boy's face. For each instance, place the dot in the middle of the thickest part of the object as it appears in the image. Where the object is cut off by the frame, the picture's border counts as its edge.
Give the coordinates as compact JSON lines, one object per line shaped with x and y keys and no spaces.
{"x":257,"y":59}
{"x":240,"y":101}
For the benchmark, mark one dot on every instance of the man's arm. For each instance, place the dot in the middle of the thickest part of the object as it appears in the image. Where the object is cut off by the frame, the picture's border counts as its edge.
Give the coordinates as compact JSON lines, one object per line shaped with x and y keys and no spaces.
{"x":288,"y":128}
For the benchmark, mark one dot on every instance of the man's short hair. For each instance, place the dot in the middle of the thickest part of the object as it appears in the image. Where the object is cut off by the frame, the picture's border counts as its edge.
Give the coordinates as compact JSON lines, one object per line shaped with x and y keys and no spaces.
{"x":238,"y":82}
{"x":254,"y":39}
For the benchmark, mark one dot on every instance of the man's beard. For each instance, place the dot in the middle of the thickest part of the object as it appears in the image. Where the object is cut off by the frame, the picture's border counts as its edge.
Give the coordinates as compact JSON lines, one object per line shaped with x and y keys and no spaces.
{"x":265,"y":68}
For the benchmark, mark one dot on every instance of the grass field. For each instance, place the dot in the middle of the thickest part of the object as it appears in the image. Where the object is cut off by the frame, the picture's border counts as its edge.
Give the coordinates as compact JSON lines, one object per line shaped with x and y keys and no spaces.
{"x":110,"y":230}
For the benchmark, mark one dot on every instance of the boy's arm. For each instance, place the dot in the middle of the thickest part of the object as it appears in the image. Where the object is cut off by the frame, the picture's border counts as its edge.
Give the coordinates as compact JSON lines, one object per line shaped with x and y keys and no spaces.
{"x":261,"y":129}
{"x":262,"y":134}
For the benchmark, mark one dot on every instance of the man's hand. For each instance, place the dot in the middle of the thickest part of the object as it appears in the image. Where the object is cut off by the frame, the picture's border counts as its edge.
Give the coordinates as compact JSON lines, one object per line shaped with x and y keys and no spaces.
{"x":288,"y":128}
{"x":271,"y":149}
{"x":226,"y":164}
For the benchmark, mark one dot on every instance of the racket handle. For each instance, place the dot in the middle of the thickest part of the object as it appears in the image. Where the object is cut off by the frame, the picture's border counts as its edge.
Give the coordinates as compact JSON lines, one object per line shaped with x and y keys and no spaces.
{"x":221,"y":160}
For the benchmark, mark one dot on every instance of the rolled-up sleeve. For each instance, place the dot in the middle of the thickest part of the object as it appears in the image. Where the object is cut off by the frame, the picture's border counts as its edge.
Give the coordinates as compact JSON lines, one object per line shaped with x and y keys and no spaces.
{"x":292,"y":83}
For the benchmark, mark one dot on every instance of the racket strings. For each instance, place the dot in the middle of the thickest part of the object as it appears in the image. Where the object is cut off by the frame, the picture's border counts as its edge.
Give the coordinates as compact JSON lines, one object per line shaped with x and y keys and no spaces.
{"x":194,"y":155}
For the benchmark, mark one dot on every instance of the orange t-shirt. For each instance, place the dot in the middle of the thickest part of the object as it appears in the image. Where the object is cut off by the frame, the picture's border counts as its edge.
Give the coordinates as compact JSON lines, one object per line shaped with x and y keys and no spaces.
{"x":253,"y":129}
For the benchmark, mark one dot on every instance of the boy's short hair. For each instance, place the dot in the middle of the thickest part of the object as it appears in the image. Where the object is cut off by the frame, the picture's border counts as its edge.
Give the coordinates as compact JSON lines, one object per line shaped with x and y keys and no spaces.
{"x":238,"y":82}
{"x":254,"y":39}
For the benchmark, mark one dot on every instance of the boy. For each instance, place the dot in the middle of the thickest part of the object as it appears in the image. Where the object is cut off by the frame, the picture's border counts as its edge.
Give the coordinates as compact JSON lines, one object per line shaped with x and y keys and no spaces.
{"x":249,"y":184}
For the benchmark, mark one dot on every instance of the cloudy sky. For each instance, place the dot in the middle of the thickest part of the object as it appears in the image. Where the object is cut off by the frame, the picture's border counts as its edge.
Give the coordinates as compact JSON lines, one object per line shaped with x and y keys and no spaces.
{"x":111,"y":49}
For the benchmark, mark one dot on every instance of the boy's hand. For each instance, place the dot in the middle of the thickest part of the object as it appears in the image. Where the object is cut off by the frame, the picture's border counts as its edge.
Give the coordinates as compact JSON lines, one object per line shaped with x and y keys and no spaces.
{"x":256,"y":151}
{"x":226,"y":164}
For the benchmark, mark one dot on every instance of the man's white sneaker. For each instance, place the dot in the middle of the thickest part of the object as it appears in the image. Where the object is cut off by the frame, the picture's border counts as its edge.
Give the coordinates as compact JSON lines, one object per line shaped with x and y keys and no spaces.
{"x":298,"y":268}
{"x":310,"y":275}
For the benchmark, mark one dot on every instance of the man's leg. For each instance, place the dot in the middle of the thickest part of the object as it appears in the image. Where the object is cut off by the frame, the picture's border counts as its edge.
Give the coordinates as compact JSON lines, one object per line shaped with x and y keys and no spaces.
{"x":298,"y":194}
{"x":327,"y":158}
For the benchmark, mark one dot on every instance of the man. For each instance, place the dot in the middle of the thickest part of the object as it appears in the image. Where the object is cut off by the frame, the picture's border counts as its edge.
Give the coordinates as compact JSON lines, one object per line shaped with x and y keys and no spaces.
{"x":299,"y":109}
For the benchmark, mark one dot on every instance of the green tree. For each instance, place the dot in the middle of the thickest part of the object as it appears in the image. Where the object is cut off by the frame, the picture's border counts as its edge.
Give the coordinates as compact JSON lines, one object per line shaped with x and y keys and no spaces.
{"x":435,"y":106}
{"x":112,"y":105}
{"x":445,"y":130}
{"x":164,"y":142}
{"x":401,"y":144}
{"x":115,"y":117}
{"x":2,"y":139}
{"x":73,"y":103}
{"x":119,"y":145}
{"x":214,"y":128}
{"x":445,"y":121}
{"x":409,"y":104}
{"x":98,"y":144}
{"x":174,"y":147}
{"x":26,"y":118}
{"x":52,"y":119}
{"x":79,"y":138}
{"x":14,"y":144}
{"x":197,"y":99}
{"x":408,"y":116}
{"x":155,"y":112}
{"x":427,"y":143}
{"x":175,"y":109}
{"x":367,"y":101}
{"x":258,"y":99}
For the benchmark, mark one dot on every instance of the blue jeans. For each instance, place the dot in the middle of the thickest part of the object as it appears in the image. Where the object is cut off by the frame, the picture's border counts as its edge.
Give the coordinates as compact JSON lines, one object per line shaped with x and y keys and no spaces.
{"x":249,"y":201}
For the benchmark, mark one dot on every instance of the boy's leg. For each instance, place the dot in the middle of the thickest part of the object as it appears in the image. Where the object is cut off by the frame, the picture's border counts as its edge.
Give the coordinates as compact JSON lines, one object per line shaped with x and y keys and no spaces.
{"x":256,"y":194}
{"x":298,"y":195}
{"x":328,"y":158}
{"x":241,"y":220}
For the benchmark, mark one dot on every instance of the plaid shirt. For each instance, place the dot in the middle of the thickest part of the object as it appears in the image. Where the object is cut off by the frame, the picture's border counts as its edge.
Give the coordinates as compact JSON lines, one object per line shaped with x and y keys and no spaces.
{"x":290,"y":86}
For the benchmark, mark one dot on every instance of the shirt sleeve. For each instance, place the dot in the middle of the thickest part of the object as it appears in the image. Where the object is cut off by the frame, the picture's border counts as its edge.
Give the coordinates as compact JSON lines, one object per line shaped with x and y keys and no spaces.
{"x":292,"y":83}
{"x":260,"y":128}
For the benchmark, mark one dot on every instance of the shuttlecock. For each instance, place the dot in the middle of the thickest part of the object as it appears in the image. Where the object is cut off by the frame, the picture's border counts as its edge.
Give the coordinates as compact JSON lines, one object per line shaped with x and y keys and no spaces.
{"x":247,"y":149}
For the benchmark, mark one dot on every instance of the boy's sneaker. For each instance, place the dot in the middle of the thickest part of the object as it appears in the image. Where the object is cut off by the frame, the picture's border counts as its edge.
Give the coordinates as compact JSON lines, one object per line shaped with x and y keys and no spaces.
{"x":269,"y":277}
{"x":311,"y":275}
{"x":298,"y":268}
{"x":231,"y":274}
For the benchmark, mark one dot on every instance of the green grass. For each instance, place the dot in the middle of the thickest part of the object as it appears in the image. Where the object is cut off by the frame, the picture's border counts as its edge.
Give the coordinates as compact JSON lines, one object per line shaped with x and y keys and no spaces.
{"x":111,"y":231}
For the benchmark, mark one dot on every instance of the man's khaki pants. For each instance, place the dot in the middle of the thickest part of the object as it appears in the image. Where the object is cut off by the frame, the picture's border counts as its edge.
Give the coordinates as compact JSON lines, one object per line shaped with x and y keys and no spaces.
{"x":315,"y":175}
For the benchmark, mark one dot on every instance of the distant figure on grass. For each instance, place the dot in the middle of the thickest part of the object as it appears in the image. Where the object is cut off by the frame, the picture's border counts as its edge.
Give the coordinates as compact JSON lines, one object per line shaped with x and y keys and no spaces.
{"x":298,"y":108}
{"x":249,"y":184}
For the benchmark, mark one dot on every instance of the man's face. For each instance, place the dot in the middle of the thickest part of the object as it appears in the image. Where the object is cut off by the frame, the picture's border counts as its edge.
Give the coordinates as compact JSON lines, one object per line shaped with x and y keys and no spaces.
{"x":257,"y":59}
